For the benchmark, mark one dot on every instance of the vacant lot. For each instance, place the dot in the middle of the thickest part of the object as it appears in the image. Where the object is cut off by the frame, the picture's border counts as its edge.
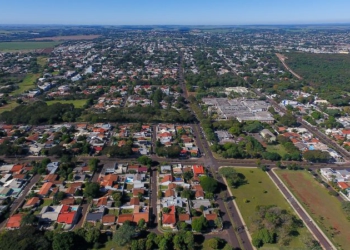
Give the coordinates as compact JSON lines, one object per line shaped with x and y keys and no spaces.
{"x":15,"y":46}
{"x":258,"y":182}
{"x":325,"y":209}
{"x":76,"y":103}
{"x":279,"y":149}
{"x":65,"y":38}
{"x":27,"y":83}
{"x":8,"y":107}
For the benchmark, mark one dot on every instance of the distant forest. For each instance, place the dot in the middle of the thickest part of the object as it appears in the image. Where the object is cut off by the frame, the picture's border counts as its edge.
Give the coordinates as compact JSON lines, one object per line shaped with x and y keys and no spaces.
{"x":328,"y":74}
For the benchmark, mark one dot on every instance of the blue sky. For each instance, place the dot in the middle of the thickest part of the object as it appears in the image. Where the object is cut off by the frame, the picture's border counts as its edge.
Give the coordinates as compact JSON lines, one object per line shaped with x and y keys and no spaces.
{"x":191,"y":12}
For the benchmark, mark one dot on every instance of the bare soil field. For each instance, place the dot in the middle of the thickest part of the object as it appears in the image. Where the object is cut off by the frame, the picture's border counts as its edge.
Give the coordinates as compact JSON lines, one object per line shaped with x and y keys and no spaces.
{"x":325,"y":209}
{"x":65,"y":38}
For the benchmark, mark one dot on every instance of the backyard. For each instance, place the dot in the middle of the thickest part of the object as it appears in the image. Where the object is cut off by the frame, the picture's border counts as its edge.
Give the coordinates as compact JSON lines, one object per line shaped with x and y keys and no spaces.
{"x":323,"y":208}
{"x":260,"y":190}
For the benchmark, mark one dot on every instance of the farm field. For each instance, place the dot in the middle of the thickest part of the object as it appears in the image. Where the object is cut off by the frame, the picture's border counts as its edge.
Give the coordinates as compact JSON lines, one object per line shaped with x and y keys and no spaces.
{"x":323,"y":208}
{"x":61,"y":38}
{"x":76,"y":103}
{"x":27,"y":83}
{"x":13,"y":46}
{"x":258,"y":182}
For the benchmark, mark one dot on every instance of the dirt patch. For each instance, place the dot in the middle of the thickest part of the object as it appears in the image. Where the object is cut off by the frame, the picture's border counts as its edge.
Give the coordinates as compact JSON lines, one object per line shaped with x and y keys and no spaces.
{"x":67,"y":38}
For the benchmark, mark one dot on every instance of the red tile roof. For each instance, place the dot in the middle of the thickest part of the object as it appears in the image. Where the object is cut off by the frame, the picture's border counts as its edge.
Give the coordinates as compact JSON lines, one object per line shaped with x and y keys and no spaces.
{"x":134,"y":201}
{"x":14,"y":221}
{"x":197,"y":169}
{"x":343,"y":185}
{"x":108,"y":218}
{"x":211,"y":216}
{"x":45,"y":188}
{"x":66,"y":218}
{"x":184,"y":217}
{"x":138,"y":216}
{"x":167,"y":178}
{"x":125,"y":217}
{"x":32,"y":201}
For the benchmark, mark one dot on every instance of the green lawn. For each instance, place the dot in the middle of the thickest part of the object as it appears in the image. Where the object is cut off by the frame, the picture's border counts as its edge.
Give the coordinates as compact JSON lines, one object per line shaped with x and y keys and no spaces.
{"x":13,"y":46}
{"x":8,"y":107}
{"x":77,"y":103}
{"x":27,"y":83}
{"x":258,"y":182}
{"x":111,"y":244}
{"x":279,"y":149}
{"x":323,"y":208}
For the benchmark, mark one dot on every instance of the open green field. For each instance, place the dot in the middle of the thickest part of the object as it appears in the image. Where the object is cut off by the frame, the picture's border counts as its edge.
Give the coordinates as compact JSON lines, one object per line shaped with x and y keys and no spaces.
{"x":279,"y":149}
{"x":8,"y":107}
{"x":258,"y":182}
{"x":323,"y":208}
{"x":42,"y":61}
{"x":27,"y":83}
{"x":13,"y":46}
{"x":77,"y":103}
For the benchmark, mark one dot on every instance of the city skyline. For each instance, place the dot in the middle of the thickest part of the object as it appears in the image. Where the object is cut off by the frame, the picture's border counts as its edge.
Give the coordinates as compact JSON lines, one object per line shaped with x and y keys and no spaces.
{"x":253,"y":12}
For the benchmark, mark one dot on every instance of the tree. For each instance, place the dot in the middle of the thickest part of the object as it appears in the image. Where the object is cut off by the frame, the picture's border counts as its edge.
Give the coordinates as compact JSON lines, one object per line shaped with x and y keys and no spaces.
{"x":141,"y":224}
{"x":188,"y":175}
{"x":199,"y":224}
{"x":63,"y":241}
{"x":117,"y":197}
{"x":145,"y":160}
{"x":257,"y":242}
{"x":25,"y":238}
{"x":213,"y":243}
{"x":92,"y":235}
{"x":29,"y":219}
{"x":93,"y":164}
{"x":316,"y":156}
{"x":92,"y":189}
{"x":124,"y":234}
{"x":208,"y":184}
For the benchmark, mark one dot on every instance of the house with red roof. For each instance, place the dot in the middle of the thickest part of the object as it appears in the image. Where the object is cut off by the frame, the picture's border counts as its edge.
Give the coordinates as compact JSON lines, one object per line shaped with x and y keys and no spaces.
{"x":169,"y":219}
{"x":45,"y":189}
{"x":198,"y":170}
{"x":14,"y":221}
{"x":122,"y":218}
{"x":166,"y":180}
{"x":32,"y":202}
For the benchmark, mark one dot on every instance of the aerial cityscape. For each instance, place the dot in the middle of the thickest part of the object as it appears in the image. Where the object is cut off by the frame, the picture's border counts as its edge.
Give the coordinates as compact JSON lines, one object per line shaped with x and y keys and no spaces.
{"x":182,"y":125}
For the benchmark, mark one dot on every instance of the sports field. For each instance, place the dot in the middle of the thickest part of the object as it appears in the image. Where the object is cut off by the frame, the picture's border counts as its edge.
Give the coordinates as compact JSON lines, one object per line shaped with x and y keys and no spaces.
{"x":15,"y":46}
{"x":325,"y":209}
{"x":260,"y":190}
{"x":76,"y":103}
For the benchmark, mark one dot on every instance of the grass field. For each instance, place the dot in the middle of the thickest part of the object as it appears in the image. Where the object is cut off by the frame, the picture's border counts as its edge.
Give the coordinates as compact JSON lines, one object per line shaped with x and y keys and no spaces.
{"x":76,"y":103}
{"x":8,"y":107}
{"x":42,"y":61}
{"x":27,"y":83}
{"x":258,"y":182}
{"x":325,"y":209}
{"x":13,"y":46}
{"x":279,"y":149}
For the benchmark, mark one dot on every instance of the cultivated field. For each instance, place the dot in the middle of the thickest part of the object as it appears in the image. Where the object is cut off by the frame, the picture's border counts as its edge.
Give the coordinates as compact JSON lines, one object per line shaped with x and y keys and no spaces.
{"x":325,"y":209}
{"x":258,"y":182}
{"x":17,"y":46}
{"x":76,"y":103}
{"x":66,"y":38}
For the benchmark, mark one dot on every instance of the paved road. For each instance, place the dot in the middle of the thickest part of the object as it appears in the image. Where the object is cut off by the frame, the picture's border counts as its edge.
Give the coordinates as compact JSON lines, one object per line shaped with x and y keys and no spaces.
{"x":213,"y":165}
{"x":304,"y":216}
{"x":18,"y":202}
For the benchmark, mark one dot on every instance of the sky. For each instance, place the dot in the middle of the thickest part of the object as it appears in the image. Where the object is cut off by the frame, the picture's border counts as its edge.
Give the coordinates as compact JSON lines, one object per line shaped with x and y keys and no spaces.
{"x":174,"y":12}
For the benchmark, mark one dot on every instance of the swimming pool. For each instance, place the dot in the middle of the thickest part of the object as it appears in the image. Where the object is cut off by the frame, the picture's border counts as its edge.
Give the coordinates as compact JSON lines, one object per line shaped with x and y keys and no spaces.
{"x":74,"y":208}
{"x":129,"y":180}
